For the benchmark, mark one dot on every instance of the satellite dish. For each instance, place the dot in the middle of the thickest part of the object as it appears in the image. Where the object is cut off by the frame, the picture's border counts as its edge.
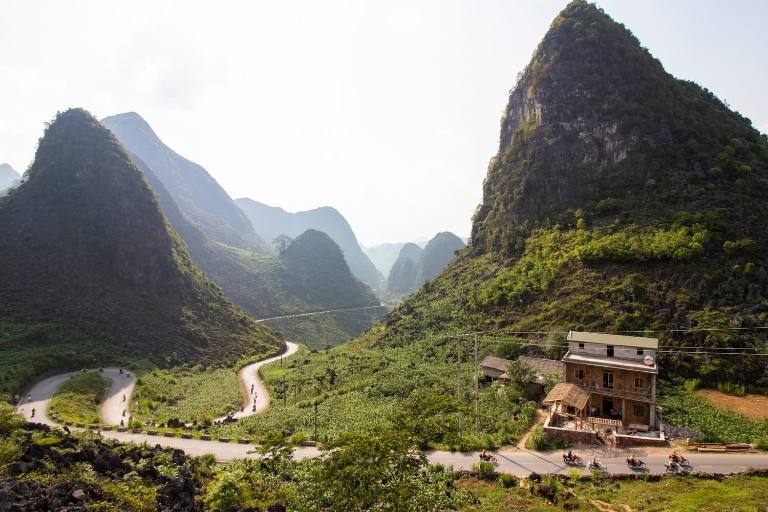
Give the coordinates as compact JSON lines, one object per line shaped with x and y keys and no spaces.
{"x":648,"y":360}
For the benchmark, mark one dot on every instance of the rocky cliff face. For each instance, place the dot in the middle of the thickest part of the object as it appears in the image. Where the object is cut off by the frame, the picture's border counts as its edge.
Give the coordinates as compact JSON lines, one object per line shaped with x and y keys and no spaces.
{"x":621,"y":199}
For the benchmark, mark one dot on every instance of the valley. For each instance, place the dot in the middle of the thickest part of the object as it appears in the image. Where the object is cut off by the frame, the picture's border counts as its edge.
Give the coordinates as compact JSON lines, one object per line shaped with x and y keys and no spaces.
{"x":167,"y":342}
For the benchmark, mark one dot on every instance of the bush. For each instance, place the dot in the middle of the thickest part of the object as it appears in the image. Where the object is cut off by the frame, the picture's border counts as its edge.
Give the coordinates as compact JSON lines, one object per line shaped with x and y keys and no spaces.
{"x":762,"y":443}
{"x":484,"y":467}
{"x":730,"y":388}
{"x":537,"y":440}
{"x":508,"y":480}
{"x":562,"y":444}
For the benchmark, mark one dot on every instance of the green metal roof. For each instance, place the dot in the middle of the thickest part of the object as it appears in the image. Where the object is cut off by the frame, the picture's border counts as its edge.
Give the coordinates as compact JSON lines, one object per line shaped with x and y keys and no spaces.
{"x":613,"y":339}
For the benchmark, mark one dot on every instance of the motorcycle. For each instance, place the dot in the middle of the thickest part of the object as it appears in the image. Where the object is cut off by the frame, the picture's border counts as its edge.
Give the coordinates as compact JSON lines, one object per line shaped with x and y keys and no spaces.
{"x":679,"y":459}
{"x":673,"y":467}
{"x":488,"y":458}
{"x":575,"y":460}
{"x":635,"y":464}
{"x":598,"y":466}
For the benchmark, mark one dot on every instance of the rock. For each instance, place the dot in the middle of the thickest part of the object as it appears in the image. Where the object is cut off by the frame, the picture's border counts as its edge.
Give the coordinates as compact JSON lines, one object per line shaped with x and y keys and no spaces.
{"x":78,"y":495}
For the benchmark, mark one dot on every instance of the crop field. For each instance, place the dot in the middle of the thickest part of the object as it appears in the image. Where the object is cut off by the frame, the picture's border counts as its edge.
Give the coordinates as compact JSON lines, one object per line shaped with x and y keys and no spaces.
{"x":356,"y":388}
{"x":754,"y":407}
{"x":79,"y":399}
{"x":719,"y":425}
{"x":186,"y":394}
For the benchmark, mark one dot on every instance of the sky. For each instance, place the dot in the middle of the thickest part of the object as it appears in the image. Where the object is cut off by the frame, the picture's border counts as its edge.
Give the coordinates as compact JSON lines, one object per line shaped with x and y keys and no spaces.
{"x":386,"y":110}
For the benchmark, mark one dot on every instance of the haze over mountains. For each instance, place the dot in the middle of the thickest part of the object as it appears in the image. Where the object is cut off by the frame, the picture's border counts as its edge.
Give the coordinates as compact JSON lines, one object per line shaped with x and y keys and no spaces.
{"x":414,"y":265}
{"x":85,"y":248}
{"x":270,"y":221}
{"x":264,"y":285}
{"x":198,"y":195}
{"x":8,"y":177}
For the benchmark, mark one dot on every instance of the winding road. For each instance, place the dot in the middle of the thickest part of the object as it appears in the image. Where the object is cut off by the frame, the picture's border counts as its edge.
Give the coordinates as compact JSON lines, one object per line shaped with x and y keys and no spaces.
{"x":517,"y":462}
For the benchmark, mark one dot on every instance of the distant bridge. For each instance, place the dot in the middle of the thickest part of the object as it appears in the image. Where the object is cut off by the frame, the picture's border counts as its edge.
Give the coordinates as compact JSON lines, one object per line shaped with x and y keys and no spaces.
{"x":319,"y":313}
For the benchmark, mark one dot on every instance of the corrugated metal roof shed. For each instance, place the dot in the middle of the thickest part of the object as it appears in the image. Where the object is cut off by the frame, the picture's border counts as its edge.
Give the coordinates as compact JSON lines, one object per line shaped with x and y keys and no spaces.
{"x":613,"y":339}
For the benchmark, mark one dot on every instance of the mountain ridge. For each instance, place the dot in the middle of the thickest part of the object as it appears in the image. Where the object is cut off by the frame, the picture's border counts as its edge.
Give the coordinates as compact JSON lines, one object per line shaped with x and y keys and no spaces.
{"x":271,"y":221}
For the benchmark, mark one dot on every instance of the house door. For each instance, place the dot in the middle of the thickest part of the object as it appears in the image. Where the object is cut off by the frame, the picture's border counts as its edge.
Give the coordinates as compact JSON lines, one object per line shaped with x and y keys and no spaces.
{"x":607,"y":407}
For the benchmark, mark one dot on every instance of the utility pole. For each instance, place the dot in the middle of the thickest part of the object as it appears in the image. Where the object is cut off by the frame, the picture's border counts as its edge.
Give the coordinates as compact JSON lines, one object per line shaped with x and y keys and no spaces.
{"x":315,"y":420}
{"x":477,"y":394}
{"x":458,"y":374}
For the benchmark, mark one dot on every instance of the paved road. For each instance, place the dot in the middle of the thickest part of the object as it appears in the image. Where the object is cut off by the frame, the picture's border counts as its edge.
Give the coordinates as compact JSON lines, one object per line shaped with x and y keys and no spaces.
{"x":319,"y":313}
{"x":516,"y":462}
{"x":249,"y":379}
{"x":111,"y":409}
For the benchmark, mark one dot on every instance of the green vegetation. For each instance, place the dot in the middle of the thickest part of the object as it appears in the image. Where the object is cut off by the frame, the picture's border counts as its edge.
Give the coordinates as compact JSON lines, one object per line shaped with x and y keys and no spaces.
{"x":79,"y":399}
{"x":357,"y":387}
{"x":187,"y":394}
{"x":717,"y":424}
{"x":87,"y":215}
{"x":742,"y":493}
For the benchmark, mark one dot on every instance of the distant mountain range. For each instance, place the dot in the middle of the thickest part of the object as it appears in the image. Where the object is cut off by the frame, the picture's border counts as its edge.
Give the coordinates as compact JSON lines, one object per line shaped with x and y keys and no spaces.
{"x":198,"y":195}
{"x":270,"y":221}
{"x":384,"y":255}
{"x":91,"y":270}
{"x":264,"y":285}
{"x":413,"y":265}
{"x":8,"y":177}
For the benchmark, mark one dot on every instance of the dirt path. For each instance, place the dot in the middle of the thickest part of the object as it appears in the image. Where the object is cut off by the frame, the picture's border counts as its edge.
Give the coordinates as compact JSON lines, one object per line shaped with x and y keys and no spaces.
{"x":539,"y":419}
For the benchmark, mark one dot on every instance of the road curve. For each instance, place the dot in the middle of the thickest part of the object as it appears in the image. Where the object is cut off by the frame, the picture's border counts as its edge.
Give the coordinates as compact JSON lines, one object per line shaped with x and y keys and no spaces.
{"x":111,"y":408}
{"x":519,"y":463}
{"x":249,"y":379}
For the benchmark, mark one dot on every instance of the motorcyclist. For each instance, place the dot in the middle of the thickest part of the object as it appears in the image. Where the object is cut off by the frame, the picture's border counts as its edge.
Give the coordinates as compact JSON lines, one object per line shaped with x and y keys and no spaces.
{"x":121,"y":371}
{"x":632,"y":460}
{"x":33,"y":413}
{"x":484,"y":455}
{"x":123,"y":397}
{"x":570,"y":454}
{"x":29,"y":398}
{"x":674,"y":457}
{"x":123,"y":412}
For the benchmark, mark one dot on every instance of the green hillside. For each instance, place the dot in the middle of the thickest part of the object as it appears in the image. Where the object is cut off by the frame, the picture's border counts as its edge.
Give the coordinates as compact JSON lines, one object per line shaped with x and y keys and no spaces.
{"x":621,"y":199}
{"x":91,"y":272}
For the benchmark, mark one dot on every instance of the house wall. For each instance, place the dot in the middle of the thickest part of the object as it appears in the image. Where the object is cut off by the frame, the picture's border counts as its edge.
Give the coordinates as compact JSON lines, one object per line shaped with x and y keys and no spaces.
{"x":492,"y":372}
{"x":623,"y":380}
{"x":619,"y":352}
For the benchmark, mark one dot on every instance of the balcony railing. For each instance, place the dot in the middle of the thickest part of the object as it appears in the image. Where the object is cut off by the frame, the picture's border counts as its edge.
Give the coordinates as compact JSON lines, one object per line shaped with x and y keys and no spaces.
{"x":641,"y":396}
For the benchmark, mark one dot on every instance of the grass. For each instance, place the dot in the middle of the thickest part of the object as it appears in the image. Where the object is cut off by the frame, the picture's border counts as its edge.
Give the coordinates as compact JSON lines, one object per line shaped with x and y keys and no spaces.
{"x":79,"y":399}
{"x":186,"y":394}
{"x":742,"y":492}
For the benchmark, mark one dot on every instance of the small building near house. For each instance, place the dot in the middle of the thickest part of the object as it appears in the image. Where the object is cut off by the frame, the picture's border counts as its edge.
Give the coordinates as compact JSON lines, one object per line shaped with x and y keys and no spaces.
{"x":496,"y":368}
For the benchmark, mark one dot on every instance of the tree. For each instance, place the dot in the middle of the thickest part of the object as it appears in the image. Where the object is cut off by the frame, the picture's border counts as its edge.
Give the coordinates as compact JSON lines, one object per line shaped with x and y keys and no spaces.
{"x":282,"y":242}
{"x":520,"y":373}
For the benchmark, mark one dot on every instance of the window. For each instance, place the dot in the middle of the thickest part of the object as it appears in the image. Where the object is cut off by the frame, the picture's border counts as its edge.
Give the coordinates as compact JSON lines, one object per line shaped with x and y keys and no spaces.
{"x":581,"y":346}
{"x":608,"y":380}
{"x":639,"y":351}
{"x":639,"y":382}
{"x":578,"y":374}
{"x":610,"y":350}
{"x":639,"y":410}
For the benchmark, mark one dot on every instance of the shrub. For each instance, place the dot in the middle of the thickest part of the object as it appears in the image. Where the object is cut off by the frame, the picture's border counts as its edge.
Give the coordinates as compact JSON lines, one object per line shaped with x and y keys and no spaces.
{"x":730,"y":388}
{"x":484,"y":467}
{"x":508,"y":480}
{"x":562,"y":444}
{"x":762,"y":443}
{"x":537,"y":440}
{"x":227,"y":492}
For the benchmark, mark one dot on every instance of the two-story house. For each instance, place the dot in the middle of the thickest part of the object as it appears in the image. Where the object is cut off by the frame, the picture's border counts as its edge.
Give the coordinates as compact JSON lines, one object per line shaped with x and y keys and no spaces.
{"x":618,"y":372}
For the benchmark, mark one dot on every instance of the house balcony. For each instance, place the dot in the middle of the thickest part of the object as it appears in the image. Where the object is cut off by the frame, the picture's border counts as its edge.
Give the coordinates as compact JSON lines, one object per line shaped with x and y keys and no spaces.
{"x":641,"y":396}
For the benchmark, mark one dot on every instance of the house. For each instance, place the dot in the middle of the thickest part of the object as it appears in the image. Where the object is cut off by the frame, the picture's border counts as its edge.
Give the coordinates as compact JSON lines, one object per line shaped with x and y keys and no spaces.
{"x":609,"y":383}
{"x":496,"y":368}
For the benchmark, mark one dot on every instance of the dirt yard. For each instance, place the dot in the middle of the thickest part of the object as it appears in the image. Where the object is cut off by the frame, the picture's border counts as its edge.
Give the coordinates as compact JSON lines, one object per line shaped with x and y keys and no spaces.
{"x":751,"y":406}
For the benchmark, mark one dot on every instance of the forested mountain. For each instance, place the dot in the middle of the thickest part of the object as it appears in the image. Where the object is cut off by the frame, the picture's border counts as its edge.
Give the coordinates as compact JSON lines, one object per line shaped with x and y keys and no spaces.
{"x":270,"y":221}
{"x":262,"y":284}
{"x":195,"y":191}
{"x":621,"y":199}
{"x":91,"y":271}
{"x":8,"y":177}
{"x":414,"y":265}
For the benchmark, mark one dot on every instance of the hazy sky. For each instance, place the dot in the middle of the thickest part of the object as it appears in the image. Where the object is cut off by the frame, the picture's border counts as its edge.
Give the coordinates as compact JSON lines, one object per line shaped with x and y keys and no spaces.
{"x":388,"y":111}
